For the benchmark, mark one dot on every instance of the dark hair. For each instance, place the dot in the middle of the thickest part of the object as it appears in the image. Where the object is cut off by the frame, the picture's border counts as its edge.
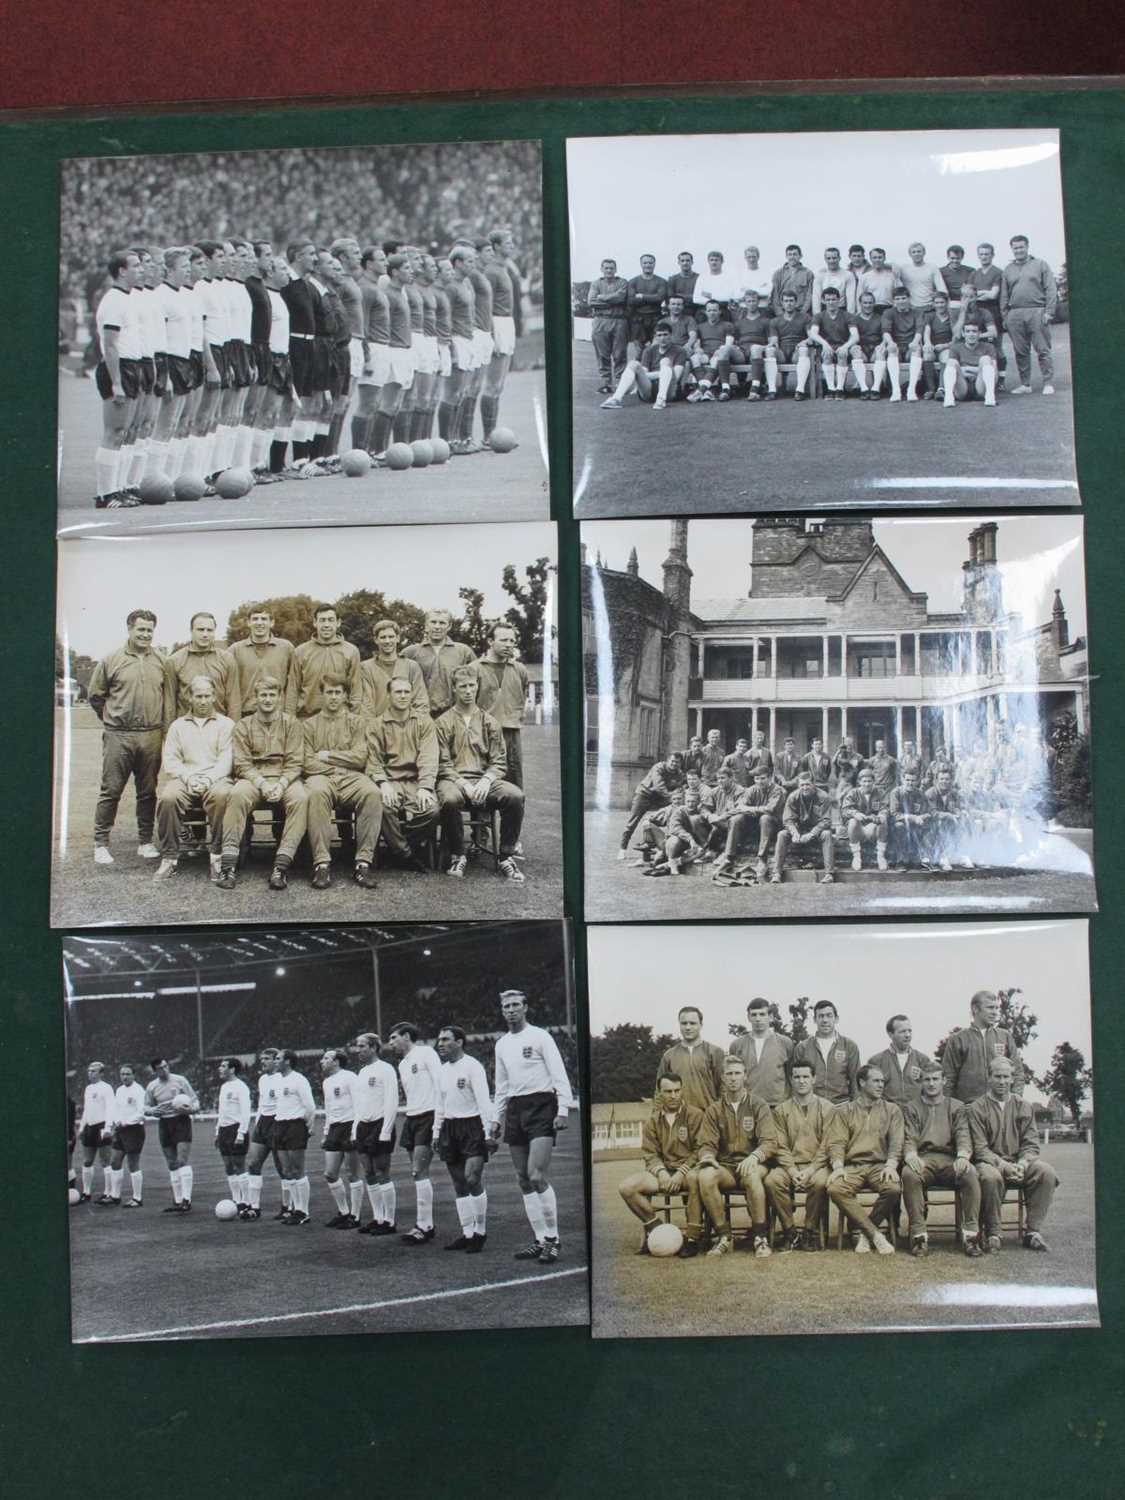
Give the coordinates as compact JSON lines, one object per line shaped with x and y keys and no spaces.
{"x":865,"y":1072}
{"x":955,"y":250}
{"x":290,"y":1057}
{"x":331,"y":679}
{"x":671,"y":1077}
{"x":118,"y":262}
{"x":800,"y":1062}
{"x":202,"y":614}
{"x":693,"y":1008}
{"x":408,"y":1028}
{"x":455,"y":1032}
{"x":396,"y":262}
{"x":341,"y":1056}
{"x":1018,"y":239}
{"x":259,"y":245}
{"x":323,"y":609}
{"x":825,"y":1005}
{"x":891,"y":1023}
{"x":758,"y":1003}
{"x":139,"y":614}
{"x":158,"y":1061}
{"x":663,"y":326}
{"x":793,"y":247}
{"x":234,"y":1064}
{"x":210,"y":248}
{"x":853,"y":248}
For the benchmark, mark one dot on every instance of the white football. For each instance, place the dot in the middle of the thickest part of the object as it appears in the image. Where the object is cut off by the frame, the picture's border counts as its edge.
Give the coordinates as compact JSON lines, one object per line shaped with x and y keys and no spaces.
{"x":226,"y":1208}
{"x":182,"y":1101}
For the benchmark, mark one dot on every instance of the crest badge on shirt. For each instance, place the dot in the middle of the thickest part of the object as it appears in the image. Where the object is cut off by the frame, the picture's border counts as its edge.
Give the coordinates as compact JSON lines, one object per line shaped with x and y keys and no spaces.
{"x":529,"y":1052}
{"x":681,"y":1132}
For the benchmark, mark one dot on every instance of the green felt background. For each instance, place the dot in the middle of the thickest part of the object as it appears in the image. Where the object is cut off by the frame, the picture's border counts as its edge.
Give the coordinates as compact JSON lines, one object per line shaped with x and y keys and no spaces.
{"x":535,"y":1413}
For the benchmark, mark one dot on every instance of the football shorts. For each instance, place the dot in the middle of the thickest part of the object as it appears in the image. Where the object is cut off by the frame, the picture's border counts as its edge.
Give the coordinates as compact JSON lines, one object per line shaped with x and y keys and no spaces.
{"x":227,"y":1141}
{"x":174,"y":1129}
{"x":504,"y":334}
{"x":130,"y":370}
{"x":460,"y":1139}
{"x":367,"y":1138}
{"x":417,"y":1130}
{"x":128,"y":1139}
{"x":338,"y":1136}
{"x":290,"y":1135}
{"x":530,"y":1117}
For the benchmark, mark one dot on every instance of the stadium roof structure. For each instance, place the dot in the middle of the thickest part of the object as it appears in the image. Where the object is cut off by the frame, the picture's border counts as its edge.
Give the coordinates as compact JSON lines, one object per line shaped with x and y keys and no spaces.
{"x":101,"y":957}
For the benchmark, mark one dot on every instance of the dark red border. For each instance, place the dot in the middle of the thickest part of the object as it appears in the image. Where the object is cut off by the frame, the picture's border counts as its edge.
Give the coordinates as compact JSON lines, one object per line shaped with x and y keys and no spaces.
{"x":58,"y":53}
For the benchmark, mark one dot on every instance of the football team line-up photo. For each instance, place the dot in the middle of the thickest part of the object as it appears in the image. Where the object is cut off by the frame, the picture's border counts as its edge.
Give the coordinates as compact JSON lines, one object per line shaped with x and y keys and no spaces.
{"x":435,"y":1137}
{"x":868,"y":327}
{"x":914,"y":268}
{"x":923,"y":1099}
{"x":228,"y":359}
{"x":396,"y":746}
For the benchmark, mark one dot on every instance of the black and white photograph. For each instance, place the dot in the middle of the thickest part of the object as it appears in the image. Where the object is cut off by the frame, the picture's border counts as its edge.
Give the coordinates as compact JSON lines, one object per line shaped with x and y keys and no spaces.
{"x":785,"y":277}
{"x":328,"y":725}
{"x":798,"y":716}
{"x":302,"y":337}
{"x":879,"y":1128}
{"x":405,"y":1096}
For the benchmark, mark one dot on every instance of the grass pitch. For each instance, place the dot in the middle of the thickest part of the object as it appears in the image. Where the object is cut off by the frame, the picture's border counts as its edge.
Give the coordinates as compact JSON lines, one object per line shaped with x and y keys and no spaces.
{"x":616,"y":892}
{"x":483,"y":487}
{"x":713,"y":459}
{"x":841,"y":1292}
{"x":144,"y":1274}
{"x":87,"y":895}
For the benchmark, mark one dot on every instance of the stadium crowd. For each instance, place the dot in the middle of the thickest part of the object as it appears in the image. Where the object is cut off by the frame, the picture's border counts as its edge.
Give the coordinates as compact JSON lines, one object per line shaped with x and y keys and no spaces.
{"x":772,"y":1118}
{"x":390,"y":752}
{"x":751,"y":814}
{"x":867,"y":325}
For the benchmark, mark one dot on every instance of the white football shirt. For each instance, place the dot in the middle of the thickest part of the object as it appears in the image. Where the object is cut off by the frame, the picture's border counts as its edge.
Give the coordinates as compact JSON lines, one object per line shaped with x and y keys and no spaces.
{"x":420,"y":1071}
{"x":129,"y":1105}
{"x":269,"y":1091}
{"x":464,"y":1091}
{"x":376,"y":1095}
{"x":339,"y":1096}
{"x":234,"y":1105}
{"x":295,"y":1097}
{"x":97,"y":1104}
{"x":529,"y":1062}
{"x":118,"y":311}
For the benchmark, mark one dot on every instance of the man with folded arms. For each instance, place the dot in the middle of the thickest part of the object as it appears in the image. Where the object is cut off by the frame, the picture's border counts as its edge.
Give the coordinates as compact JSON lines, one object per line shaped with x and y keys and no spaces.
{"x":269,"y":752}
{"x":801,"y":1159}
{"x":402,"y":761}
{"x":865,"y":1143}
{"x":736,"y":1144}
{"x":472,"y":773}
{"x":334,"y":760}
{"x":1006,"y":1152}
{"x":765,"y":1054}
{"x":197,"y":763}
{"x":669,"y":1146}
{"x":938,"y":1151}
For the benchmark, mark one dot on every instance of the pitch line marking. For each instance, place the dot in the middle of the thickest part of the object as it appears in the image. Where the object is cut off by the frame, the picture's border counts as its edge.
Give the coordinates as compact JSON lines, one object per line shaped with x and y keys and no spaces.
{"x":330,"y":1312}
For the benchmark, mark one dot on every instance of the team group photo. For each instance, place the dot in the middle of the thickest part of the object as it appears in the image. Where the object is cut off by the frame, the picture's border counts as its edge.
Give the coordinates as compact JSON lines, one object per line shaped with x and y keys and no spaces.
{"x":406,"y":1097}
{"x":232,"y":324}
{"x":327,"y":724}
{"x":893,"y":1131}
{"x":790,"y":715}
{"x":920,"y":269}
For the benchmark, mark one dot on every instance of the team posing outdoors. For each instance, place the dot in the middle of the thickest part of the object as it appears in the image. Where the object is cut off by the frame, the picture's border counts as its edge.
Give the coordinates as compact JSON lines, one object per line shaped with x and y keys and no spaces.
{"x":772,"y":1118}
{"x":869,"y":325}
{"x":404,"y":743}
{"x":750,"y":813}
{"x":447,"y":1111}
{"x":221,"y":355}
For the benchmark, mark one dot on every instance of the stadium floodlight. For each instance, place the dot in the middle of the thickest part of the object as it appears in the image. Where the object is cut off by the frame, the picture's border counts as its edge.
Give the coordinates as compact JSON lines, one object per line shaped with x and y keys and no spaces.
{"x":118,"y":995}
{"x":206,"y":989}
{"x":280,"y":970}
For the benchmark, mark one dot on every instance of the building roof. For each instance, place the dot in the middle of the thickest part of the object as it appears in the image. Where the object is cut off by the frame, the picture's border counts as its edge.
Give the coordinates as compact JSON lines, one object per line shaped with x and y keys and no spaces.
{"x":732,"y":611}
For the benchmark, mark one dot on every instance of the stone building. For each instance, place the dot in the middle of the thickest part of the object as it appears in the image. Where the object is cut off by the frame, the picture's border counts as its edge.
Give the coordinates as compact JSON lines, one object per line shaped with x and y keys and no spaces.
{"x":830,"y":639}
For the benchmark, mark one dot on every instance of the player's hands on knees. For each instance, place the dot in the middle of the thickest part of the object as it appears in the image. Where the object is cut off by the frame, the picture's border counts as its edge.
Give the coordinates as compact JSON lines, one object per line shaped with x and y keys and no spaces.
{"x":425,"y":799}
{"x":961,"y":1165}
{"x":914,"y":1162}
{"x":889,"y":1174}
{"x":392,"y":796}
